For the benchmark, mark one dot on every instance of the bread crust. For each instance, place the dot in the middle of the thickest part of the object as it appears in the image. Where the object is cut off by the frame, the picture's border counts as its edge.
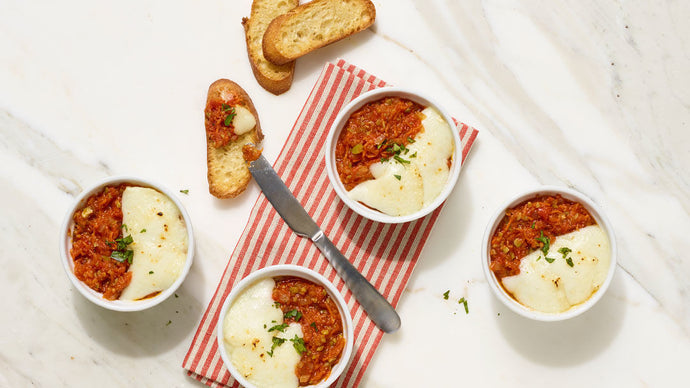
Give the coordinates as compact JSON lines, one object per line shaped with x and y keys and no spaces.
{"x":228,"y":174}
{"x":282,"y":43}
{"x":276,"y":79}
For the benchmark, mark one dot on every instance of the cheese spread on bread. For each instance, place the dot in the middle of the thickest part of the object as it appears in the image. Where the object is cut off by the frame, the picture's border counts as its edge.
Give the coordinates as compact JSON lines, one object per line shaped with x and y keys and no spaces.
{"x":160,"y":241}
{"x":249,"y":344}
{"x":404,"y":188}
{"x":244,"y":120}
{"x":556,"y":287}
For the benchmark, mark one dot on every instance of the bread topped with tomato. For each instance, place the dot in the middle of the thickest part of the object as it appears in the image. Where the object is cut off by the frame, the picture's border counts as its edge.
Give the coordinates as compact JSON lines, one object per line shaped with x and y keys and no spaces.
{"x":231,"y":122}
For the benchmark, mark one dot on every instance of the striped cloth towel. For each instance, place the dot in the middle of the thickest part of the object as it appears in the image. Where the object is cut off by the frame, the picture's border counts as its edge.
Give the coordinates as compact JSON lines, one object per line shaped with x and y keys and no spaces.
{"x":384,"y":253}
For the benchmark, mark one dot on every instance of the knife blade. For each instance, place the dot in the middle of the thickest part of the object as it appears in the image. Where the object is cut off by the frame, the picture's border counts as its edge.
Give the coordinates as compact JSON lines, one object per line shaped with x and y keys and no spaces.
{"x":380,"y":311}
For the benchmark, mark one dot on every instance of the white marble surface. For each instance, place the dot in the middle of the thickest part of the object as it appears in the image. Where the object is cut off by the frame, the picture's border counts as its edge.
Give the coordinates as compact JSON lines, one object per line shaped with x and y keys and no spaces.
{"x":588,"y":94}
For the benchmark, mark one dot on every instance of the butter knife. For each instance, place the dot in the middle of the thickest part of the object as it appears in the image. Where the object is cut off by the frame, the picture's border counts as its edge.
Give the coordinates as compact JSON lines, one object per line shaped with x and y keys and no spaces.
{"x":377,"y":307}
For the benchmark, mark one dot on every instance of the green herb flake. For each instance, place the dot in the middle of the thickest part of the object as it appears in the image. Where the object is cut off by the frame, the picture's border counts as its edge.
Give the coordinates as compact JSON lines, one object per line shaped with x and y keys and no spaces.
{"x":569,"y":260}
{"x":534,"y":224}
{"x":410,"y":140}
{"x":549,"y":259}
{"x":357,"y":149}
{"x":400,"y":160}
{"x":143,"y":230}
{"x":544,"y":240}
{"x":463,"y":302}
{"x":313,"y":324}
{"x":185,"y":191}
{"x":281,"y":328}
{"x":445,"y":295}
{"x":150,"y":272}
{"x":276,"y":305}
{"x":398,"y":177}
{"x":231,"y":115}
{"x":167,"y":324}
{"x":124,"y":227}
{"x":564,"y":251}
{"x":298,"y":344}
{"x":293,"y":314}
{"x":277,"y":341}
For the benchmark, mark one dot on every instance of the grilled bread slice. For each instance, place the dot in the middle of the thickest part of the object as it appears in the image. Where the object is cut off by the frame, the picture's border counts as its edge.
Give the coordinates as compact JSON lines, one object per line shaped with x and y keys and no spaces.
{"x":313,"y":25}
{"x":276,"y":79}
{"x":231,"y":122}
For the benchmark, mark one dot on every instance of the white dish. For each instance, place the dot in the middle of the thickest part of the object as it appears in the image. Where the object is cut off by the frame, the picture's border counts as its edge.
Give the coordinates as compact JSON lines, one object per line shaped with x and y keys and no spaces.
{"x":66,"y":244}
{"x":504,"y":296}
{"x":304,"y":273}
{"x":341,"y":120}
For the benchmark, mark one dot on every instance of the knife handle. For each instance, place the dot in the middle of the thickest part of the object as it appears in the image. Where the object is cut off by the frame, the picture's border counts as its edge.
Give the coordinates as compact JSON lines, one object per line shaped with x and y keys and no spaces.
{"x":377,"y":307}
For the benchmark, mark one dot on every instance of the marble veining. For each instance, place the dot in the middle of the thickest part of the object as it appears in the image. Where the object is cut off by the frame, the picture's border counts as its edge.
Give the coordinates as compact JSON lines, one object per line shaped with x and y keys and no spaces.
{"x":591,"y":95}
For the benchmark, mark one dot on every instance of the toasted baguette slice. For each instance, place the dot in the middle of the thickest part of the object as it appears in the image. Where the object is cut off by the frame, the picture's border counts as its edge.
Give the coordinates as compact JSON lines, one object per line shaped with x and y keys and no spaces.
{"x":313,"y":25}
{"x":228,"y":174}
{"x":276,"y":79}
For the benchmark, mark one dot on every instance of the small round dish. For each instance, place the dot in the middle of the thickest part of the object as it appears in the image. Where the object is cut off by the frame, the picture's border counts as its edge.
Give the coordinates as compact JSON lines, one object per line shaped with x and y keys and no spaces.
{"x":66,"y":244}
{"x":300,"y":272}
{"x":334,"y":134}
{"x":500,"y":292}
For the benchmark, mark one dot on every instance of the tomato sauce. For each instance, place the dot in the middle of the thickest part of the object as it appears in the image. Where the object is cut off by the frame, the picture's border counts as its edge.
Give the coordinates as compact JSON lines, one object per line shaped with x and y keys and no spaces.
{"x":96,"y":226}
{"x":321,"y":326}
{"x":218,"y":114}
{"x":371,"y":134}
{"x":519,"y":232}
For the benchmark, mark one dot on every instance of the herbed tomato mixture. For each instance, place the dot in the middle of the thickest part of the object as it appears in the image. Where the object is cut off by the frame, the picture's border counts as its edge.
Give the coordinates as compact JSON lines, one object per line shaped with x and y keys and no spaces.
{"x":310,"y":305}
{"x":520,"y":231}
{"x":372,"y":134}
{"x":219,"y":118}
{"x":96,"y":226}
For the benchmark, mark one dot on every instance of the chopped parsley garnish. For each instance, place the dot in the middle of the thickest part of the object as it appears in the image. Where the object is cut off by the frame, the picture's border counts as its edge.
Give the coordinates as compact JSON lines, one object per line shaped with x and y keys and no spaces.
{"x":150,"y":272}
{"x":313,"y":324}
{"x":185,"y":191}
{"x":121,"y":253}
{"x":169,"y":322}
{"x":410,"y":140}
{"x":398,"y":177}
{"x":463,"y":302}
{"x":281,"y":327}
{"x":276,"y":305}
{"x":569,"y":260}
{"x":277,"y":341}
{"x":564,"y":251}
{"x":143,"y":230}
{"x":231,"y":114}
{"x":400,"y":160}
{"x":124,"y":227}
{"x":293,"y":314}
{"x":445,"y":295}
{"x":544,"y":240}
{"x":549,"y":259}
{"x":298,"y":344}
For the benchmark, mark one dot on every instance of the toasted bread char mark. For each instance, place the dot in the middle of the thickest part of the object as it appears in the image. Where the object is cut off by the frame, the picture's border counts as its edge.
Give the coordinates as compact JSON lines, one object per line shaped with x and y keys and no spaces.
{"x":228,"y":175}
{"x":276,"y":79}
{"x":313,"y":25}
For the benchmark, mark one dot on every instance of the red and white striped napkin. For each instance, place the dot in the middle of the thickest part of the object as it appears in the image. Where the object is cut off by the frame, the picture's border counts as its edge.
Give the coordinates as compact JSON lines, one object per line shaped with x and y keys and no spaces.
{"x":384,"y":253}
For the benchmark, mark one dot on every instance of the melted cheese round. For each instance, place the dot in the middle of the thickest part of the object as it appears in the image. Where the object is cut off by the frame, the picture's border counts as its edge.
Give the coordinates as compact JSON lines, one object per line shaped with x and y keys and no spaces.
{"x":160,"y":241}
{"x":421,"y":181}
{"x":244,"y":120}
{"x":248,"y":341}
{"x":556,"y":287}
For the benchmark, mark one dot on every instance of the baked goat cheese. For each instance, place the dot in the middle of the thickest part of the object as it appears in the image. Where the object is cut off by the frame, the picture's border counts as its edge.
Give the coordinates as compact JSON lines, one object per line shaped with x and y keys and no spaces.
{"x":159,"y":241}
{"x":404,"y":188}
{"x":249,"y":343}
{"x":556,"y":286}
